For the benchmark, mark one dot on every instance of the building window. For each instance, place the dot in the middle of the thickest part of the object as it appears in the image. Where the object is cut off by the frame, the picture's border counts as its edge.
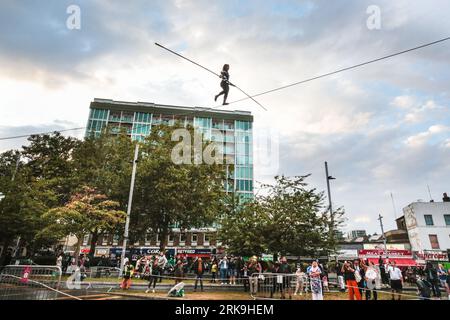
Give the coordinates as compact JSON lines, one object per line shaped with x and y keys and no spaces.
{"x":434,"y":241}
{"x":194,"y":237}
{"x":206,"y":238}
{"x":171,"y":238}
{"x":447,"y":219}
{"x":116,"y":239}
{"x":428,"y":220}
{"x":182,"y":237}
{"x":148,"y":238}
{"x":85,"y":239}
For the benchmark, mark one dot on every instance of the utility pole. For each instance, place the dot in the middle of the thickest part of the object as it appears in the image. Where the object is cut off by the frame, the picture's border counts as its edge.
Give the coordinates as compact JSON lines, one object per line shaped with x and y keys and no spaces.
{"x":382,"y":232}
{"x":130,"y":200}
{"x":329,"y":199}
{"x":16,"y":249}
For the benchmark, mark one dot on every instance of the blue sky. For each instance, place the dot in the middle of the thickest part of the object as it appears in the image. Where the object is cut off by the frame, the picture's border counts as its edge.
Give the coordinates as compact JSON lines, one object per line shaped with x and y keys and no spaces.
{"x":383,"y":128}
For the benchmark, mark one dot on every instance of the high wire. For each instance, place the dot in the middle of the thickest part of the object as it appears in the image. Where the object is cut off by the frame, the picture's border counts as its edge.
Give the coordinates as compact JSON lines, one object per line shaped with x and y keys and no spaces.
{"x":209,"y":70}
{"x":264,"y":92}
{"x":343,"y":69}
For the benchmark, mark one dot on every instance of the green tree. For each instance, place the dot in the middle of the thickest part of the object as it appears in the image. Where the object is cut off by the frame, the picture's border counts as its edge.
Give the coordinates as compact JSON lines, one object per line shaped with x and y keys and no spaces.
{"x":290,"y":219}
{"x":85,"y":212}
{"x":169,"y":194}
{"x":22,"y":203}
{"x":105,"y":162}
{"x":48,"y":158}
{"x":241,"y":228}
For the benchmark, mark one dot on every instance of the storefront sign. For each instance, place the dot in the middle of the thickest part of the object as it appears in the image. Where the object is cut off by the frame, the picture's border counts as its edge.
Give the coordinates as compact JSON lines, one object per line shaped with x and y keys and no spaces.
{"x":428,"y":255}
{"x":380,"y":246}
{"x":194,"y":252}
{"x":390,"y":253}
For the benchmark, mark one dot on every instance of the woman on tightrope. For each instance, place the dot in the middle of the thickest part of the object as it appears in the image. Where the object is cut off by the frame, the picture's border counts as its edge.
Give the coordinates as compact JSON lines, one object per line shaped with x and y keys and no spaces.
{"x":225,"y":84}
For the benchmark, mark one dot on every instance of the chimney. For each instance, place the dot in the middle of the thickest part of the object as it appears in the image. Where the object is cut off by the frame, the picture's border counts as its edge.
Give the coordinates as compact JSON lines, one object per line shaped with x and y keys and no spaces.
{"x":445,"y":197}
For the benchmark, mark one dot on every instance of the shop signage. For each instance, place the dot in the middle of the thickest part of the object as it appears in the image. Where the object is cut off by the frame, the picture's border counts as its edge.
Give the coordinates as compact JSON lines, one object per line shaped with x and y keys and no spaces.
{"x":390,"y":253}
{"x":431,"y":255}
{"x":380,"y":246}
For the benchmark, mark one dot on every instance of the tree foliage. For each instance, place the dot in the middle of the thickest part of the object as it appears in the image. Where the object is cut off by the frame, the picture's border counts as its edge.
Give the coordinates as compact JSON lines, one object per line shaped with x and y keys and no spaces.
{"x":290,"y":219}
{"x":85,"y":213}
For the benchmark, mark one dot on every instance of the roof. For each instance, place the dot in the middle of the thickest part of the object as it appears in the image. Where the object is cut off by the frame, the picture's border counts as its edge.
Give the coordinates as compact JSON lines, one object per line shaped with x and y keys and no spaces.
{"x":171,"y":109}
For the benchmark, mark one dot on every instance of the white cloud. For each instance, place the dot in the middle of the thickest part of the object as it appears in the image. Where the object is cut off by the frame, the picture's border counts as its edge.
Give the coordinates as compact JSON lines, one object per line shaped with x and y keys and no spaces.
{"x":404,"y":102}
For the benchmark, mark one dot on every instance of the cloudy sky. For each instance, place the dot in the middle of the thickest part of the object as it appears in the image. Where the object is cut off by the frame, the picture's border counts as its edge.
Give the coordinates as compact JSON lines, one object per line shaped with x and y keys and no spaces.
{"x":382,"y":128}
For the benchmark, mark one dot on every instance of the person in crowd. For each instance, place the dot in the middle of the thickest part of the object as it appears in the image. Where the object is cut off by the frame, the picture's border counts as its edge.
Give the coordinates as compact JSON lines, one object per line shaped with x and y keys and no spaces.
{"x":433,"y":278}
{"x":350,"y":281}
{"x":423,"y":287}
{"x":372,"y":275}
{"x":127,"y":275}
{"x":396,"y":279}
{"x":232,"y":270}
{"x":447,"y":284}
{"x":244,"y":276}
{"x":223,"y":269}
{"x":162,"y":262}
{"x":59,"y":260}
{"x":383,"y":274}
{"x":179,"y":271}
{"x":359,"y":267}
{"x":442,"y":275}
{"x":340,"y":276}
{"x":324,"y":278}
{"x":239,"y":266}
{"x":300,"y":277}
{"x":254,"y":267}
{"x":315,"y":275}
{"x":153,"y":272}
{"x":213,"y":271}
{"x":199,"y":268}
{"x":285,"y":269}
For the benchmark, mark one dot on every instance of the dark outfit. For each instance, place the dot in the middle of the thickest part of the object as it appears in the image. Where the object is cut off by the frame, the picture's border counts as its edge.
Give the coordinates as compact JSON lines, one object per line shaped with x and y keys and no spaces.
{"x":199,"y":269}
{"x":153,"y":275}
{"x":225,"y":84}
{"x":433,"y":278}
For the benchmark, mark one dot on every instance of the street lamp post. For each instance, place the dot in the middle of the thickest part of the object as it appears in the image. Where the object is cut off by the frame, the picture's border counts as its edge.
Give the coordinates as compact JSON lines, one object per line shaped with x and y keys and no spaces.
{"x":328,"y":177}
{"x":380,"y":217}
{"x":130,"y":200}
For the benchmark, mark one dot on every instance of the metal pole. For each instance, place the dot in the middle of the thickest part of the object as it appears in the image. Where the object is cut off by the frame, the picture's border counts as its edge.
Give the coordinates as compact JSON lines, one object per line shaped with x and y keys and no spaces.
{"x":382,"y":232}
{"x":328,"y":188}
{"x":329,"y":200}
{"x":130,"y":200}
{"x":16,"y":249}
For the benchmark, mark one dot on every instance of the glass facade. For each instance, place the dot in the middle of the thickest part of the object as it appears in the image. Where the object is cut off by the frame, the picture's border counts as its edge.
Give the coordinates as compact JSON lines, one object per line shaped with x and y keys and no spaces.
{"x":234,"y":137}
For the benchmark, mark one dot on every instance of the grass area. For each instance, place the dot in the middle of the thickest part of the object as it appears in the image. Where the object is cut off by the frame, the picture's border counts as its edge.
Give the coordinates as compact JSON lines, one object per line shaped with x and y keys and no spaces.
{"x":239,"y":295}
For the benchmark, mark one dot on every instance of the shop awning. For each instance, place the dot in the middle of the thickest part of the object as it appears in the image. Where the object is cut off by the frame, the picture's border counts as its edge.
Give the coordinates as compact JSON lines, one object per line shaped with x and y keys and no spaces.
{"x":401,"y":262}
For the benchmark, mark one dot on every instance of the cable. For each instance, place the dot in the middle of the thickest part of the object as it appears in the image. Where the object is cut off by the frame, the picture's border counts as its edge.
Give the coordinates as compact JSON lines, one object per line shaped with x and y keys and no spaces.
{"x":41,"y":133}
{"x":209,"y":70}
{"x":343,"y":69}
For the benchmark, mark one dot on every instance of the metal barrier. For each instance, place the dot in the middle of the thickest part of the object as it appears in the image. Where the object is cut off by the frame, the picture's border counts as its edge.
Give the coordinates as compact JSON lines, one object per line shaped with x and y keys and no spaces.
{"x":272,"y":285}
{"x":103,"y":272}
{"x":30,"y":282}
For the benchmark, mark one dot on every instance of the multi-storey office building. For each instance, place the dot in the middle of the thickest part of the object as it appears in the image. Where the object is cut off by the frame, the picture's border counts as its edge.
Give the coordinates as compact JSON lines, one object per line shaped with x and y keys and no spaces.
{"x":231,"y":129}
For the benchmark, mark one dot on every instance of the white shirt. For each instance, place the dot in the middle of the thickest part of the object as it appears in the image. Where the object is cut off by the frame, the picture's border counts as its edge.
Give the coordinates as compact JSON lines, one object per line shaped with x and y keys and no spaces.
{"x":395,"y":273}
